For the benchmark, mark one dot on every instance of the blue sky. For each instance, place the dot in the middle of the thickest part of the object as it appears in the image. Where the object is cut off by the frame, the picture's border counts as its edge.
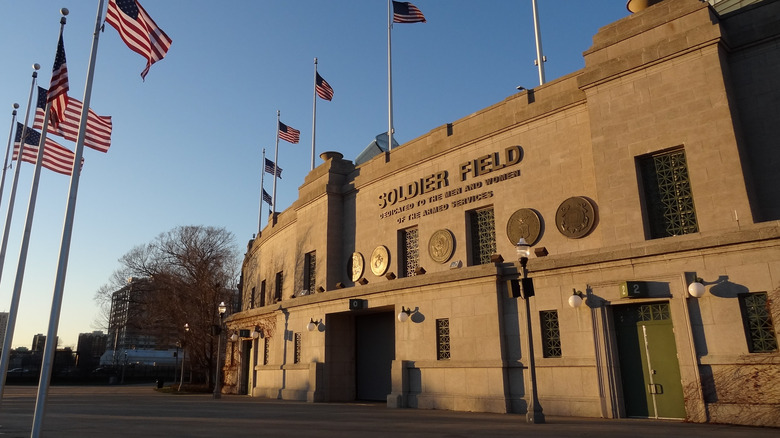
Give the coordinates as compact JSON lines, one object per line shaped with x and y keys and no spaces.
{"x":187,"y":142}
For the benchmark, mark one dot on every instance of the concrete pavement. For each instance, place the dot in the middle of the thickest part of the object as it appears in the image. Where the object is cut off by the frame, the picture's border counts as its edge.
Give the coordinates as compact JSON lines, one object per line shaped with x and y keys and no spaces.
{"x":140,"y":411}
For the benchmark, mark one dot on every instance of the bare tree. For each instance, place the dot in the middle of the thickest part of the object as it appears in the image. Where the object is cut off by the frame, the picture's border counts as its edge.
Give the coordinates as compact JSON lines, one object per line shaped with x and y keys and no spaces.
{"x":192,"y":269}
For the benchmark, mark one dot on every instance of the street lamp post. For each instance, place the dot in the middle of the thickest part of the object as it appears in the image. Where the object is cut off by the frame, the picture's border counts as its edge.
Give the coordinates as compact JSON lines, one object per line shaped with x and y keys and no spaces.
{"x":183,"y":353}
{"x":534,"y":414}
{"x":217,"y":384}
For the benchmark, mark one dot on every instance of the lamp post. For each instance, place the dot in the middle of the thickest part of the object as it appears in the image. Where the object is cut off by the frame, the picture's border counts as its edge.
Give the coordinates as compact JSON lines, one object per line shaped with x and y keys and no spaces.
{"x":183,"y":354}
{"x":534,"y":414}
{"x":217,"y":386}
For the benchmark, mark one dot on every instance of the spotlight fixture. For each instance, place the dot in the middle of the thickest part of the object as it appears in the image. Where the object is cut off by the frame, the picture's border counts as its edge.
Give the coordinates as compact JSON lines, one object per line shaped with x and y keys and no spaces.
{"x":340,"y":285}
{"x":419,"y":270}
{"x":496,"y":258}
{"x":363,"y":281}
{"x":390,"y":276}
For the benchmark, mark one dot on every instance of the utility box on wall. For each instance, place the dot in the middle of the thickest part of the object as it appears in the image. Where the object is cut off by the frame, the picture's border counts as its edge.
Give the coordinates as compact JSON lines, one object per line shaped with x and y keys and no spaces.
{"x":633,"y":289}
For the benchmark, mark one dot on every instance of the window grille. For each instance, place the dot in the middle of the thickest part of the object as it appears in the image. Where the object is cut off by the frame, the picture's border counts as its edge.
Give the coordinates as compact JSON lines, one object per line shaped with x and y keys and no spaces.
{"x":310,"y":278}
{"x":411,"y":253}
{"x":483,"y":235}
{"x":297,"y":356}
{"x":668,"y":194}
{"x":262,"y":293}
{"x":551,"y":333}
{"x":758,"y":322}
{"x":278,"y":286}
{"x":442,"y":339}
{"x":266,"y":350}
{"x":252,"y":299}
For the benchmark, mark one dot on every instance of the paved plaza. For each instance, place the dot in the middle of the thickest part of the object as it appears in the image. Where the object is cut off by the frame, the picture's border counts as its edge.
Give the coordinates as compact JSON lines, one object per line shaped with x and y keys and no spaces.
{"x":140,"y":411}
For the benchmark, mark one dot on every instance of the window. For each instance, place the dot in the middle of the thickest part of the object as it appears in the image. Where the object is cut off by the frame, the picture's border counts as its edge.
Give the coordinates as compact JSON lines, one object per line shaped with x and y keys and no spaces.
{"x":252,"y":299}
{"x":297,"y":353}
{"x":266,"y":350}
{"x":668,"y":195}
{"x":551,"y":333}
{"x":483,"y":235}
{"x":310,"y":271}
{"x":410,"y":254}
{"x":262,"y":293}
{"x":278,"y":286}
{"x":442,"y":339}
{"x":758,"y":322}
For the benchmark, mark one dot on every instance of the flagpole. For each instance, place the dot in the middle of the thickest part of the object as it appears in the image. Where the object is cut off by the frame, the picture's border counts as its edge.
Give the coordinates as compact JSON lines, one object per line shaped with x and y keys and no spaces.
{"x":12,"y":312}
{"x":276,"y":163}
{"x":540,"y":59}
{"x":260,"y":214}
{"x":389,"y":77}
{"x":314,"y":115}
{"x":67,"y":231}
{"x":8,"y":149}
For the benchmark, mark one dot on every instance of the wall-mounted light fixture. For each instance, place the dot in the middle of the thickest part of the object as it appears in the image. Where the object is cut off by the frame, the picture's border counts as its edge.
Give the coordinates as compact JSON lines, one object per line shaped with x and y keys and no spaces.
{"x":404,"y":314}
{"x":390,"y":275}
{"x":576,"y":299}
{"x":363,"y":281}
{"x":257,"y":332}
{"x":234,"y":337}
{"x":340,"y":285}
{"x":312,"y":325}
{"x":419,"y":270}
{"x":696,"y":288}
{"x":496,"y":258}
{"x":541,"y":251}
{"x":456,"y":264}
{"x":320,"y":289}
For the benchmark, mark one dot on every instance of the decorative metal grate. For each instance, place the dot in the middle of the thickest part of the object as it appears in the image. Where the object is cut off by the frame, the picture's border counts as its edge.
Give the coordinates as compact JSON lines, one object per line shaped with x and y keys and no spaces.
{"x":551,"y":333}
{"x":297,"y":356}
{"x":278,"y":286}
{"x":668,"y":195}
{"x":654,"y":312}
{"x":266,"y":350}
{"x":483,"y":235}
{"x":262,"y":293}
{"x":311,"y":271}
{"x":443,"y":339}
{"x":411,"y":251}
{"x":758,"y":323}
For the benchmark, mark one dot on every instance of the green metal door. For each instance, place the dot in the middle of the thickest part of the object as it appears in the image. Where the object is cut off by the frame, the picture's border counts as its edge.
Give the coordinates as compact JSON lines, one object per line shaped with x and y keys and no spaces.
{"x":649,"y":369}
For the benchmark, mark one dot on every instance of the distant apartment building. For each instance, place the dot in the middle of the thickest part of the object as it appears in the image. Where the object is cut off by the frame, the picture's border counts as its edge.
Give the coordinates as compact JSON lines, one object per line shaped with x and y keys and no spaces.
{"x":89,"y":349}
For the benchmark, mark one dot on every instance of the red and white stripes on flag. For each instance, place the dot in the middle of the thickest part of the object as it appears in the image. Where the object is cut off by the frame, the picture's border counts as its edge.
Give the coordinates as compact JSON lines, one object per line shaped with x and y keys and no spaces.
{"x":59,"y":85}
{"x":138,"y":31}
{"x":56,"y":157}
{"x":289,"y":134}
{"x":405,"y":12}
{"x":323,"y":88}
{"x":98,"y":132}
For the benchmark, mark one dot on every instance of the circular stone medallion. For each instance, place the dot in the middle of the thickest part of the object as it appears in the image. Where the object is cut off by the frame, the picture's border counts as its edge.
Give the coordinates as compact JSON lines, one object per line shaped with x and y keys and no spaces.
{"x":355,"y":266}
{"x":441,"y":246}
{"x":523,"y":223}
{"x":380,"y":260}
{"x":576,"y":217}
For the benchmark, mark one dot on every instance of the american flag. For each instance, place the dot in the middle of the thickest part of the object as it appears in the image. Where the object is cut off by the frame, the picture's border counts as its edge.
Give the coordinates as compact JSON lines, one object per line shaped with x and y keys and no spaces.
{"x":405,"y":12}
{"x":323,"y":88}
{"x":287,"y":133}
{"x":138,"y":31}
{"x":98,"y":133}
{"x":55,"y":157}
{"x":269,"y":168}
{"x":266,"y":197}
{"x":58,"y":98}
